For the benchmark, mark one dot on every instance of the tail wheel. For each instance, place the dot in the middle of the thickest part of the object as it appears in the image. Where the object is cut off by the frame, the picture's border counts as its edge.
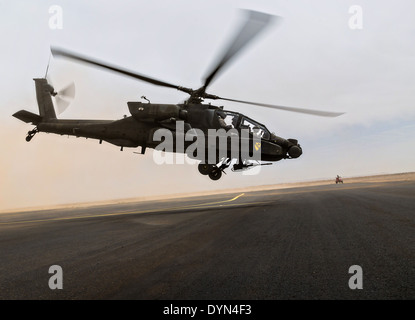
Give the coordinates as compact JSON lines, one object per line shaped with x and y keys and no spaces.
{"x":31,"y":134}
{"x":215,"y":174}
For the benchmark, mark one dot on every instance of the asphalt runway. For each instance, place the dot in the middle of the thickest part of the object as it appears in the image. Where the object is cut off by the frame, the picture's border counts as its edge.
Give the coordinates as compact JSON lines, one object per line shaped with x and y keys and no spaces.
{"x":296,"y":243}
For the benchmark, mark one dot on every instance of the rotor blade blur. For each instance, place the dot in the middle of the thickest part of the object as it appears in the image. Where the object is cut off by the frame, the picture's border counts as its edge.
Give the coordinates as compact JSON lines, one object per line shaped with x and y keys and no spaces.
{"x":254,"y":24}
{"x":61,"y":104}
{"x":68,"y":91}
{"x":63,"y":53}
{"x":291,"y":109}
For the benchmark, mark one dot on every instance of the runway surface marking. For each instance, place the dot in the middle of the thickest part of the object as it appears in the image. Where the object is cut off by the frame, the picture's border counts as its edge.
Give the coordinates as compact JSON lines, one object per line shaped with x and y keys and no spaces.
{"x":199,"y":205}
{"x":222,"y":203}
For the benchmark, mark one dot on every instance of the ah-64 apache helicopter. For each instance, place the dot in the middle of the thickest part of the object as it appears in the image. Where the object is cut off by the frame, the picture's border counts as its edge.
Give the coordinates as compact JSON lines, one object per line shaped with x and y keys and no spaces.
{"x":146,"y":118}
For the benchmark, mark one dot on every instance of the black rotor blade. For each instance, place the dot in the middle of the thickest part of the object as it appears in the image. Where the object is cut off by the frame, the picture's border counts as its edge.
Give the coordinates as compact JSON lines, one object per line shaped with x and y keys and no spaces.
{"x":292,"y":109}
{"x":64,"y":53}
{"x":254,"y":24}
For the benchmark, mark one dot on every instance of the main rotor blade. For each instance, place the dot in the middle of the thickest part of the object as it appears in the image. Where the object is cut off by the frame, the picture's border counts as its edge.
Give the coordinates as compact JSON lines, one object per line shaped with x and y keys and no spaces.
{"x":254,"y":24}
{"x":292,"y":109}
{"x":67,"y":54}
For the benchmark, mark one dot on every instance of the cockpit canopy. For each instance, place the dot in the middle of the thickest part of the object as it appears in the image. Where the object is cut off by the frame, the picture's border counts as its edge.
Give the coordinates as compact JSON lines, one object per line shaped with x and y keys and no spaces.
{"x":239,"y":121}
{"x":206,"y":117}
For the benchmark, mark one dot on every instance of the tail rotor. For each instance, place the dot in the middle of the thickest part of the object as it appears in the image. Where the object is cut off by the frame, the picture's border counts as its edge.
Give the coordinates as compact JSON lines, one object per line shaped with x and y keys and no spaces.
{"x":63,"y":97}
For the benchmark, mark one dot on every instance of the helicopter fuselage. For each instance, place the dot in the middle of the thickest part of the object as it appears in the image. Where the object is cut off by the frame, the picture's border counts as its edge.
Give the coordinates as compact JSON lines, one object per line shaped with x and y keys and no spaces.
{"x":146,"y":118}
{"x":193,"y":129}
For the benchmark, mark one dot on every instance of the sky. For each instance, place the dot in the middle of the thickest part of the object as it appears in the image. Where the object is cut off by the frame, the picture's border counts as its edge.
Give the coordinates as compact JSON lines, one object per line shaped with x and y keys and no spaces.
{"x":319,"y":54}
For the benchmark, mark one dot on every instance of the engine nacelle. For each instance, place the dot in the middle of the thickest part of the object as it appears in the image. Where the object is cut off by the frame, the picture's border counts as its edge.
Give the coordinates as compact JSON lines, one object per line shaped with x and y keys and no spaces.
{"x":156,"y":112}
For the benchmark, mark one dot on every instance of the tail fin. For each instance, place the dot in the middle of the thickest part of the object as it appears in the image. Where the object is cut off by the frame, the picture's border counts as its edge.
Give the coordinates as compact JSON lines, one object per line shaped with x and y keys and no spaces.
{"x":44,"y":92}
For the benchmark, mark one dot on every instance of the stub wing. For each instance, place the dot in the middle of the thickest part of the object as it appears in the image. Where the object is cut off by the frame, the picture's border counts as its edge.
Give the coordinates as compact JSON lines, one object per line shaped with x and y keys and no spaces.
{"x":28,"y":117}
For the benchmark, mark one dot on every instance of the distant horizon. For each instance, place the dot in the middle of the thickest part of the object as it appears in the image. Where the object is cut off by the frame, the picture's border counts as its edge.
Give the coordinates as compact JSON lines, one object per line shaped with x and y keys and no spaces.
{"x":194,"y":194}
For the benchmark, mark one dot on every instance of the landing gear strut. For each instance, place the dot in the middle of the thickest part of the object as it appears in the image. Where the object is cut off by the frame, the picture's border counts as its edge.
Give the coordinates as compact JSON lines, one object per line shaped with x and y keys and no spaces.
{"x":31,"y":134}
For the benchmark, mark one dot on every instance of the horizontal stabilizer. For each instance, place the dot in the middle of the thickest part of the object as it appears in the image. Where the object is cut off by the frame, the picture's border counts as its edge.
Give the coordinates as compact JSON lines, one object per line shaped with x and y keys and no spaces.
{"x":27,"y":116}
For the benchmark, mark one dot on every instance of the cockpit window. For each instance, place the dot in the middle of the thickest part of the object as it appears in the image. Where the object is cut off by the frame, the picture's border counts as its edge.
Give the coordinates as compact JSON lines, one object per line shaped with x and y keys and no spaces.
{"x":231,"y":119}
{"x":255,"y":128}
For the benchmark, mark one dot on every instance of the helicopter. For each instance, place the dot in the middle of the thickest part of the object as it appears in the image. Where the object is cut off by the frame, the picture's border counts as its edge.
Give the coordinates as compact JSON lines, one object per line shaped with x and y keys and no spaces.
{"x":192,"y":118}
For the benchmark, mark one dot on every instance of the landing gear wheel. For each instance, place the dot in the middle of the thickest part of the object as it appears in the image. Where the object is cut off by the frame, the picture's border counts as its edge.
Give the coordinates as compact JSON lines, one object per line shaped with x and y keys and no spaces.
{"x":204,"y":168}
{"x":31,"y":134}
{"x":215,"y":174}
